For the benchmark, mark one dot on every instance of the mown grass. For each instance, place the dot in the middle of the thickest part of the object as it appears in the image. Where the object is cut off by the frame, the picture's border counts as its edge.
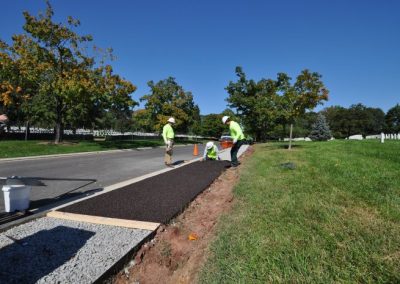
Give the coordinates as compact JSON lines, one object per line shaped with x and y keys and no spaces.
{"x":334,"y":218}
{"x":9,"y":149}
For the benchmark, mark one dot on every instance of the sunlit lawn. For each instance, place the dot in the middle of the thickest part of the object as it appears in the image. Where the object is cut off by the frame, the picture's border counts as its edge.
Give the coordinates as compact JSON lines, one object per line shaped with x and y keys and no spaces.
{"x":334,"y":218}
{"x":10,"y":149}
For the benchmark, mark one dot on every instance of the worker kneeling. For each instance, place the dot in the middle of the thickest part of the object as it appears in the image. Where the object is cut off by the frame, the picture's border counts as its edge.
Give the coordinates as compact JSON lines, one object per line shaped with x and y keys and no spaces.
{"x":210,"y":152}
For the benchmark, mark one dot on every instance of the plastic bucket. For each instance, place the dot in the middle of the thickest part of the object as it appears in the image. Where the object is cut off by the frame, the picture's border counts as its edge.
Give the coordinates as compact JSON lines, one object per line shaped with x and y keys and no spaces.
{"x":16,"y":197}
{"x":226,"y":144}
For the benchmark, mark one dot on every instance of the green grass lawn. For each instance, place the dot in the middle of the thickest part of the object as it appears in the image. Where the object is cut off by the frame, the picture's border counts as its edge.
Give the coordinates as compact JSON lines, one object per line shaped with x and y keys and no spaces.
{"x":334,"y":218}
{"x":10,"y":149}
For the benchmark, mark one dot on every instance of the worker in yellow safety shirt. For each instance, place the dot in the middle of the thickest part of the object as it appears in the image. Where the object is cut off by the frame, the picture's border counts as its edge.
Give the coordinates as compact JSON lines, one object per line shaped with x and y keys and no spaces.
{"x":168,"y":136}
{"x":210,"y":152}
{"x":238,"y":139}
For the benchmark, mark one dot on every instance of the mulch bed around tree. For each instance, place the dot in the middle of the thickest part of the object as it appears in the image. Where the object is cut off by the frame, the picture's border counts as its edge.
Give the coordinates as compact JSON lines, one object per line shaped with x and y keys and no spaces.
{"x":156,"y":199}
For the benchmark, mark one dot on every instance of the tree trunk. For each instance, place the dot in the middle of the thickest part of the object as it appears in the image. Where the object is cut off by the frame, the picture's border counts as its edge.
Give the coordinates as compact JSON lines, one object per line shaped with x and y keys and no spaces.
{"x":290,"y":136}
{"x":58,"y":128}
{"x":58,"y":133}
{"x":27,"y":130}
{"x":284,"y":132}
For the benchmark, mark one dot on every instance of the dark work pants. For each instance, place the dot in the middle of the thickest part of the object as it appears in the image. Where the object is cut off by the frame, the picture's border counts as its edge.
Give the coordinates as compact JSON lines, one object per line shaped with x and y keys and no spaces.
{"x":234,"y":151}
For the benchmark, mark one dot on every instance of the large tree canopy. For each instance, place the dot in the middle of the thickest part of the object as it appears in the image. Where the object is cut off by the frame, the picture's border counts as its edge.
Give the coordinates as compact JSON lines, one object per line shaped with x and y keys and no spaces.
{"x":49,"y":68}
{"x":357,"y":119}
{"x":267,"y":102}
{"x":168,"y":98}
{"x":393,"y":119}
{"x":255,"y":103}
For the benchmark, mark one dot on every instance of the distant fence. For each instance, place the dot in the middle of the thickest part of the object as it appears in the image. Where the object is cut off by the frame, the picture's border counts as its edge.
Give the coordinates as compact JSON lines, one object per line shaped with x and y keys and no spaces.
{"x":18,"y":133}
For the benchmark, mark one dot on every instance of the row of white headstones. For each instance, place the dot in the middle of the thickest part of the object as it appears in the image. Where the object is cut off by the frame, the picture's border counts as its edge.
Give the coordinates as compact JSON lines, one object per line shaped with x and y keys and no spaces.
{"x":384,"y":136}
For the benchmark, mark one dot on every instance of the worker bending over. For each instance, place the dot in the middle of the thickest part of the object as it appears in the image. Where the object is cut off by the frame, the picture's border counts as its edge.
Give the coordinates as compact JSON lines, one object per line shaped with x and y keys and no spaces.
{"x":210,"y":152}
{"x":238,"y":139}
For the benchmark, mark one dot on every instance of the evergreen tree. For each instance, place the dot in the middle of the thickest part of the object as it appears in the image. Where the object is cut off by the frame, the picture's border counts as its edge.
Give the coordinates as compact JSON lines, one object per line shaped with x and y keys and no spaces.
{"x":320,"y":129}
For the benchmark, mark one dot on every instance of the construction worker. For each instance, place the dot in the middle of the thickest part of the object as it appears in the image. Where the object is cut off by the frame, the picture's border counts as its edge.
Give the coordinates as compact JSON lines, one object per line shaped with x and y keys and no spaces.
{"x":238,"y":139}
{"x":168,"y":136}
{"x":210,"y":152}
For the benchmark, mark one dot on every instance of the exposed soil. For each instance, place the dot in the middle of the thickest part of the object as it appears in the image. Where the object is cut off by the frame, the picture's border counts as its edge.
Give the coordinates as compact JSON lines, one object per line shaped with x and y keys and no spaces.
{"x":179,"y":249}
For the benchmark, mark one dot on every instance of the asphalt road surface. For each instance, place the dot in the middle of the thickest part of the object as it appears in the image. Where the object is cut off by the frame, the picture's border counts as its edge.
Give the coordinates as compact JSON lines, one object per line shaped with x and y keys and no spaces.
{"x":57,"y":178}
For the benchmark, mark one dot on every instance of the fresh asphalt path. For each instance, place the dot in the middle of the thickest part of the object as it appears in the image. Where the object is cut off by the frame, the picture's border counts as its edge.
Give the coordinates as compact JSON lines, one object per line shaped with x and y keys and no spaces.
{"x":57,"y":178}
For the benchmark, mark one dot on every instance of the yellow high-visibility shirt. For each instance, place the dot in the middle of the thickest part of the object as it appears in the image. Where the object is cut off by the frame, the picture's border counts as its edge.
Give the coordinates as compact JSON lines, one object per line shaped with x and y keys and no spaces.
{"x":236,"y":131}
{"x":211,"y":153}
{"x":168,"y":132}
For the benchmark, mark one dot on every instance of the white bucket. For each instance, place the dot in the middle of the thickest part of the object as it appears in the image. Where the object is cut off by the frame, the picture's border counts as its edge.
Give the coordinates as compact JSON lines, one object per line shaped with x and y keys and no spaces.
{"x":16,"y":197}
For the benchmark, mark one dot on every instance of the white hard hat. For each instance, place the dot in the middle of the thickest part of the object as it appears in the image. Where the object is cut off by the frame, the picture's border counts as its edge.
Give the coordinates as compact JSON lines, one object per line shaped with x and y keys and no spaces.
{"x":224,"y":119}
{"x":209,"y":145}
{"x":171,"y":119}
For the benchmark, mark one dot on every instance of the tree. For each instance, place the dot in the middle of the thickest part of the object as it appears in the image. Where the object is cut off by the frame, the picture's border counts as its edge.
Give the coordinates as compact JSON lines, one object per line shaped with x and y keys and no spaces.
{"x":357,"y":119}
{"x":142,"y":121}
{"x":254,"y":103}
{"x":307,"y":92}
{"x":339,"y":120}
{"x":72,"y":88}
{"x":267,"y":102}
{"x":320,"y":129}
{"x":20,"y":74}
{"x":211,"y":125}
{"x":392,"y":119}
{"x":167,"y":99}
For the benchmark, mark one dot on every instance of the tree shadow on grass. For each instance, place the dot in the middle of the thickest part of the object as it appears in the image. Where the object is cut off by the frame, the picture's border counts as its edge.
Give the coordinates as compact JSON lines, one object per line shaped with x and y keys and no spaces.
{"x":33,"y":257}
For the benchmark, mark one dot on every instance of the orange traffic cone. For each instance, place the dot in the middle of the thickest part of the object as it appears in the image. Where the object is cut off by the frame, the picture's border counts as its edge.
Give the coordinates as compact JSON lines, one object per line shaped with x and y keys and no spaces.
{"x":195,"y":150}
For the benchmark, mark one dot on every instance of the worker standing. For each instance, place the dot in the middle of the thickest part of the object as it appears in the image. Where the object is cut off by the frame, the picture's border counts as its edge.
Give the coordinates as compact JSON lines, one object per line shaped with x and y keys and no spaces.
{"x":210,"y":152}
{"x":238,"y":139}
{"x":168,"y":136}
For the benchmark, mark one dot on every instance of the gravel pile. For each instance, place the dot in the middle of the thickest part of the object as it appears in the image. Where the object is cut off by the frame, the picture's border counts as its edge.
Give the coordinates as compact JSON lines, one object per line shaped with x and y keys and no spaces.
{"x":49,"y":250}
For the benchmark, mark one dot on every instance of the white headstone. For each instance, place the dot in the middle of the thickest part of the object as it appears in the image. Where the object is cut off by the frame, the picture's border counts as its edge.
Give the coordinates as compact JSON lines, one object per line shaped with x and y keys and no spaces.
{"x":382,"y":137}
{"x":308,"y":139}
{"x":356,"y":137}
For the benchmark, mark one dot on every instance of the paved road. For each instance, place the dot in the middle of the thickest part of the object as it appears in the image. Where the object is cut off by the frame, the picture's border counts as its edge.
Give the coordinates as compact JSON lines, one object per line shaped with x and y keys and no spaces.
{"x":66,"y":177}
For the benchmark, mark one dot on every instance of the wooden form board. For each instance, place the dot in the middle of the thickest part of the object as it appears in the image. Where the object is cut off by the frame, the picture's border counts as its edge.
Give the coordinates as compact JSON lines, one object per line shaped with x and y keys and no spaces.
{"x":104,"y":220}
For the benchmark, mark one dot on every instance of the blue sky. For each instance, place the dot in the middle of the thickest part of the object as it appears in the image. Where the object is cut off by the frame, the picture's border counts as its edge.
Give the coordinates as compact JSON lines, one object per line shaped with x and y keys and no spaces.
{"x":354,"y":44}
